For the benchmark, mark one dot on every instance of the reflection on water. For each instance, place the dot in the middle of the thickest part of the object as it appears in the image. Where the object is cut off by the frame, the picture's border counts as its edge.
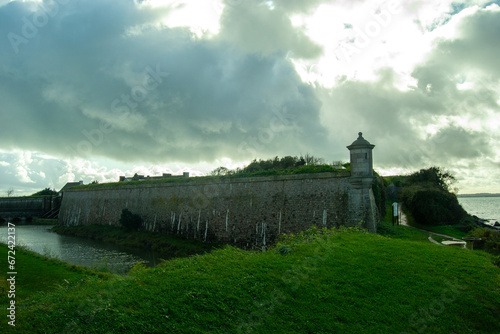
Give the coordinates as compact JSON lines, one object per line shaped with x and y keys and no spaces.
{"x":78,"y":251}
{"x":483,"y":207}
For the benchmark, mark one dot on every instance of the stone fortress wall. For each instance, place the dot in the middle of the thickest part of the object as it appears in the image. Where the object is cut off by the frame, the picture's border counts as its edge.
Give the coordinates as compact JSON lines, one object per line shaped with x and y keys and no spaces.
{"x":242,"y":211}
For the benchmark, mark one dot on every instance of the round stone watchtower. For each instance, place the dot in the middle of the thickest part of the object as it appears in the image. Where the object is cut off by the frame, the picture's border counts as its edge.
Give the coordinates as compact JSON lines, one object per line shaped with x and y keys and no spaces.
{"x":361,"y":157}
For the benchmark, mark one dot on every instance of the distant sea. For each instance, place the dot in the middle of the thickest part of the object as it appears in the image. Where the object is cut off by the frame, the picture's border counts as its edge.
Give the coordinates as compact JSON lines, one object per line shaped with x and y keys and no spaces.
{"x":483,"y":207}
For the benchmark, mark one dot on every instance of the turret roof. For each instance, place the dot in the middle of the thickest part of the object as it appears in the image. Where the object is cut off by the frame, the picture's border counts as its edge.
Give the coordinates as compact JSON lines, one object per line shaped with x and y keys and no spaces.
{"x":360,"y":143}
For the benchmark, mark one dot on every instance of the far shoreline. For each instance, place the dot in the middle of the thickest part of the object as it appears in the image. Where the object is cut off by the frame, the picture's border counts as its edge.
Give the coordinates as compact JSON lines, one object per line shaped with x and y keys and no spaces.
{"x":479,"y":195}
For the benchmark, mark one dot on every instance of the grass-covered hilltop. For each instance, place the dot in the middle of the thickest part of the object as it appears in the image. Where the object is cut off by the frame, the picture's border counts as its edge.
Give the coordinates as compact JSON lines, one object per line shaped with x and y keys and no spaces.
{"x":326,"y":281}
{"x":342,"y":280}
{"x":287,"y":165}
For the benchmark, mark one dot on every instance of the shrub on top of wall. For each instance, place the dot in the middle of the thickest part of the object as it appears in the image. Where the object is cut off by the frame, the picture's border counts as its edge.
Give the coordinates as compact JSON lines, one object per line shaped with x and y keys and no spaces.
{"x":130,"y":221}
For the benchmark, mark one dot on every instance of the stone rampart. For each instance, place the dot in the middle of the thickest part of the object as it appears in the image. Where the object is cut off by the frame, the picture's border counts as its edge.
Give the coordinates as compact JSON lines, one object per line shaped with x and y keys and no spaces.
{"x":241,"y":211}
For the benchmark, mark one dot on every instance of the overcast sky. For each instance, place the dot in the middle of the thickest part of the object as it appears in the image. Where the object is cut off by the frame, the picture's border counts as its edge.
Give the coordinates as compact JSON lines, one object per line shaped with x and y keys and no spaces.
{"x":95,"y":89}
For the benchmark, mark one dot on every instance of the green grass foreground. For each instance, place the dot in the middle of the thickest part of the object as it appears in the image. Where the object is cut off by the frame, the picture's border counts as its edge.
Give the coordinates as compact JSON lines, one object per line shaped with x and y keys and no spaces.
{"x":327,"y":281}
{"x":36,"y":275}
{"x":166,"y":246}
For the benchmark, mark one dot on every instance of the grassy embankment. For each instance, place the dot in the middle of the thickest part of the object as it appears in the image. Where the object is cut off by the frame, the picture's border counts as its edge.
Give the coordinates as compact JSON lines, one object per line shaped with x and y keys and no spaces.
{"x":386,"y":228}
{"x":338,"y":281}
{"x":37,"y":275}
{"x":301,"y":170}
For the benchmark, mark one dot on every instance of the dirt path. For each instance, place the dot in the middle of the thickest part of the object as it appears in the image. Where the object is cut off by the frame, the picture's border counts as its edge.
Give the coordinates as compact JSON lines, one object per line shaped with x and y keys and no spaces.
{"x":454,"y":241}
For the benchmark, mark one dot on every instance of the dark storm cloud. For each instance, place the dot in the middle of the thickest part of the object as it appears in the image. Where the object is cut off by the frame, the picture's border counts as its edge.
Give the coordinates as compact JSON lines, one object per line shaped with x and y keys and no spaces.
{"x":79,"y":81}
{"x":465,"y":144}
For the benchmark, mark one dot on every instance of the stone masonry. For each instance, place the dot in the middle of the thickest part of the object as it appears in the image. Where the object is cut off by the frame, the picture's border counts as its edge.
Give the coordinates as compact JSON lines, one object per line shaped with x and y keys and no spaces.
{"x":245,"y":212}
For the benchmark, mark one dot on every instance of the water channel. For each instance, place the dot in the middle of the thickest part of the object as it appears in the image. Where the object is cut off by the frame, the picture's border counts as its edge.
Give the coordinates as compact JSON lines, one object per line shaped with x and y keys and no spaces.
{"x":79,"y":251}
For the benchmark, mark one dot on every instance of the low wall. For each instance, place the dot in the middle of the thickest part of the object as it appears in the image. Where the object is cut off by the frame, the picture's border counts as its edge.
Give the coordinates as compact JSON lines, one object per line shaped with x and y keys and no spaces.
{"x":240,"y":211}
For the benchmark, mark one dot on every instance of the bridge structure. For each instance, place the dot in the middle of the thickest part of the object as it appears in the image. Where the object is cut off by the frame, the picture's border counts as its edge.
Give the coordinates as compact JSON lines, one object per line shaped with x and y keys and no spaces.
{"x":25,"y":208}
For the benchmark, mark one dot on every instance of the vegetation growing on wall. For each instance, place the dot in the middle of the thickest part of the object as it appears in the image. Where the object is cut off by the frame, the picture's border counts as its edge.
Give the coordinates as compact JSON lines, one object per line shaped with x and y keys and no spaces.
{"x":282,"y":166}
{"x":46,"y":192}
{"x":379,"y":192}
{"x":130,"y":221}
{"x":41,"y":193}
{"x":272,"y":167}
